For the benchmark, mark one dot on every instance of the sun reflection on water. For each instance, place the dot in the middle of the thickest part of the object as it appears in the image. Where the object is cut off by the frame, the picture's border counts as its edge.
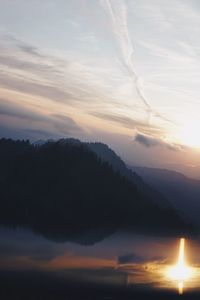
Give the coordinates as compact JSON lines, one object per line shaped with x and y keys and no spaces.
{"x":181,"y":272}
{"x":162,"y":275}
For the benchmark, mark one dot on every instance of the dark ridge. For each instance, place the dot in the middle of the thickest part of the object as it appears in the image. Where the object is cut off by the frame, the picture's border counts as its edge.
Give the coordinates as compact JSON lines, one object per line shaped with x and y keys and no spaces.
{"x":64,"y":191}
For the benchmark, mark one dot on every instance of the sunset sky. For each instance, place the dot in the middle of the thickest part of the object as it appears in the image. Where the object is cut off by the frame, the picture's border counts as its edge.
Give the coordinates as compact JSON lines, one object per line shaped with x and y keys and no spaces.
{"x":121,"y":72}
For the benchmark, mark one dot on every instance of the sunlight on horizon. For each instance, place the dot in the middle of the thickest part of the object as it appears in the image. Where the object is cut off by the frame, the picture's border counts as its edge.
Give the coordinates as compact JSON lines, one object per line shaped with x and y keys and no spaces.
{"x":190,"y":134}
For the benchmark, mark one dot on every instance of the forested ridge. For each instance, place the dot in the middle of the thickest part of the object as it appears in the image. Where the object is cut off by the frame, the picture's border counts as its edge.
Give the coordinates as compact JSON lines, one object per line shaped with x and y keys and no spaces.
{"x":65,"y":191}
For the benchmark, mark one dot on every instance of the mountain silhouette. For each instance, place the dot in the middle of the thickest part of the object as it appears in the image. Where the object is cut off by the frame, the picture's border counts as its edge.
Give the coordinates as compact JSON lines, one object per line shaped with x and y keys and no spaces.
{"x":64,"y":191}
{"x":108,"y":155}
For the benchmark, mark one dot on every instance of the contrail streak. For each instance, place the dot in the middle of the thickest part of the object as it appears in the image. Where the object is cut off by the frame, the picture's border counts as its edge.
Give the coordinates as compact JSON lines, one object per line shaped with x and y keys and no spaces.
{"x":118,"y":14}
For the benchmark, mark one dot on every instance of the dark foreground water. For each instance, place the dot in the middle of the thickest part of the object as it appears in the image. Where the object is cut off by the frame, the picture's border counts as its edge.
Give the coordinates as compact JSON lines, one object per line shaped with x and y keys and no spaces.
{"x":119,"y":267}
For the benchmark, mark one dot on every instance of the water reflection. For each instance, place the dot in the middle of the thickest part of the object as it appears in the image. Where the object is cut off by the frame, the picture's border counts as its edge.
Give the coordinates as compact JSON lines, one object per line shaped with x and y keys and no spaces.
{"x":181,"y":272}
{"x":121,"y":260}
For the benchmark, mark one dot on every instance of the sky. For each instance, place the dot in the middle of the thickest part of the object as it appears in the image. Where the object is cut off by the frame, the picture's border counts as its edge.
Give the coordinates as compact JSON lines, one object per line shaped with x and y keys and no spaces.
{"x":123,"y":72}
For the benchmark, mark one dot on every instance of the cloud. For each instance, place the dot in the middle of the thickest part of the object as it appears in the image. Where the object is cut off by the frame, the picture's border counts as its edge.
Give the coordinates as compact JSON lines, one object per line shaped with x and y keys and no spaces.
{"x":66,"y":79}
{"x":53,"y":125}
{"x":121,"y":119}
{"x":18,"y":111}
{"x":117,"y":11}
{"x":149,"y":141}
{"x":171,"y":55}
{"x":129,"y":123}
{"x":35,"y":79}
{"x":33,"y":51}
{"x":65,"y":124}
{"x":24,"y":47}
{"x":61,"y":81}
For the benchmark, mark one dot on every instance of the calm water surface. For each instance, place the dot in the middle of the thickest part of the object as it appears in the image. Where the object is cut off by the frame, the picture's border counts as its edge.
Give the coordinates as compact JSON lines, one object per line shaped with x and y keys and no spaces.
{"x":127,"y":261}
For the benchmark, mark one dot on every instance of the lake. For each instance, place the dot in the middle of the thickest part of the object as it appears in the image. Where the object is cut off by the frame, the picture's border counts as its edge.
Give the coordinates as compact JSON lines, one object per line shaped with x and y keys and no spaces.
{"x":122,"y":264}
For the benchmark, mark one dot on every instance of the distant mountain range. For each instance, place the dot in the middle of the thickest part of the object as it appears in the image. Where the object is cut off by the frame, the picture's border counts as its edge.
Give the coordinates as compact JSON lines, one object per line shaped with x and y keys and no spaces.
{"x":108,"y":155}
{"x":165,"y":187}
{"x":69,"y":190}
{"x":182,"y":192}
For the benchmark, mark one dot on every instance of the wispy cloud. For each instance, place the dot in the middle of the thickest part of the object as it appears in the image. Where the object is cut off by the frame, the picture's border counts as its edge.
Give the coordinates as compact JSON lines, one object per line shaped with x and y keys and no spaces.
{"x":130,"y":123}
{"x":62,"y":79}
{"x":52,"y":124}
{"x":117,"y":11}
{"x":33,"y":73}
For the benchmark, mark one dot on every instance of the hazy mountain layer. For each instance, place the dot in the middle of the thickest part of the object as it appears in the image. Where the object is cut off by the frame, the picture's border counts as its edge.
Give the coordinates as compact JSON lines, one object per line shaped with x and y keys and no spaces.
{"x":182,"y":192}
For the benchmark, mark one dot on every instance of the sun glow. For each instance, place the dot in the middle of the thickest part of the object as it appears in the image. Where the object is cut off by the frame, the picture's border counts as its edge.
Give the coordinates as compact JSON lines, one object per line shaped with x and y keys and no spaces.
{"x":190,"y":135}
{"x":180,"y":272}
